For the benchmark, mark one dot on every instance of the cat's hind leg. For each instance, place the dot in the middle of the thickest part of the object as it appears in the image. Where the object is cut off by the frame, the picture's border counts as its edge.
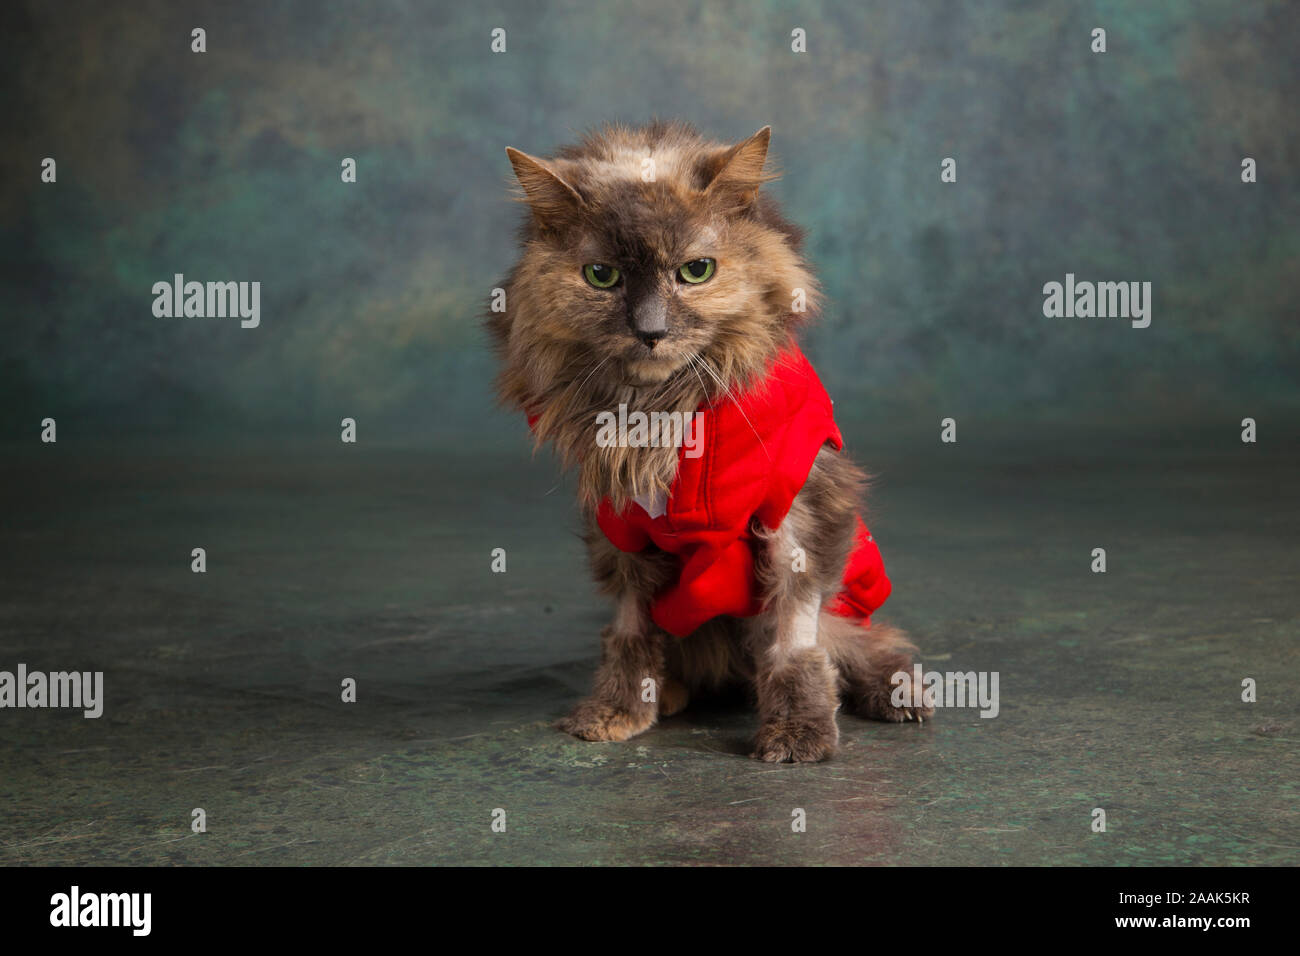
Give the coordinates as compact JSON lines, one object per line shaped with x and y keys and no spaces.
{"x":866,"y":659}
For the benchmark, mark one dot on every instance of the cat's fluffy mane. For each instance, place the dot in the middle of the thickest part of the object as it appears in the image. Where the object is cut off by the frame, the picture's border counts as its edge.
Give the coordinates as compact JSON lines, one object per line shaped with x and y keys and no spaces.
{"x":564,"y":370}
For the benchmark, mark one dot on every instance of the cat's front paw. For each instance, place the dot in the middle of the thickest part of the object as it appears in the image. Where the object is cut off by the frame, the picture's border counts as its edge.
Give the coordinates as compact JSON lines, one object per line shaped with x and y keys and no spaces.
{"x":597,"y":720}
{"x":787,"y":741}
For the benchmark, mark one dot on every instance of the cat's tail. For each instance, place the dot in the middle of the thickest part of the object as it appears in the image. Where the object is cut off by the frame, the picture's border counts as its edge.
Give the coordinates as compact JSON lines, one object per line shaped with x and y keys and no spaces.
{"x":866,"y":659}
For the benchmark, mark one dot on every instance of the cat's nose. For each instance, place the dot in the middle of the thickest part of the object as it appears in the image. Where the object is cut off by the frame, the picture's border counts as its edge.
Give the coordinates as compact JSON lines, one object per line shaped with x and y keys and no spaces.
{"x":650,"y":320}
{"x":650,"y":338}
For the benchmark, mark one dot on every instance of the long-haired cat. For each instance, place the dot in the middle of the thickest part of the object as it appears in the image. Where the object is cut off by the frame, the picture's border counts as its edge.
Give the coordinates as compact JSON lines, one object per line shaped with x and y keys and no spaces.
{"x":657,"y":277}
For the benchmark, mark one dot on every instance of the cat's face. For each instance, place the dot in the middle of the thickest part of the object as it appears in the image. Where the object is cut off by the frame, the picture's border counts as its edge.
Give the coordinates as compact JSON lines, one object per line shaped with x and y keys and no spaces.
{"x":648,"y":279}
{"x":650,"y":256}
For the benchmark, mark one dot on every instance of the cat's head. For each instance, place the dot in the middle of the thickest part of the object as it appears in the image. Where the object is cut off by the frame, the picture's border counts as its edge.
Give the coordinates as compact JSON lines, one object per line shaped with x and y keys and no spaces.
{"x":652,"y":264}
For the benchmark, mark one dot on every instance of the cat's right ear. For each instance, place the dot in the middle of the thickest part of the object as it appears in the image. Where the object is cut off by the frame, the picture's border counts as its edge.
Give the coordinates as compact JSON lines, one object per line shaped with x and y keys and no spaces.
{"x":551,"y":198}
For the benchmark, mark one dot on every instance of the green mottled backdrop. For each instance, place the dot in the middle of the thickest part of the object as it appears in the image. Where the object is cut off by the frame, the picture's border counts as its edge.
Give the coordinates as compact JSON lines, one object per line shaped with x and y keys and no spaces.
{"x":225,"y":165}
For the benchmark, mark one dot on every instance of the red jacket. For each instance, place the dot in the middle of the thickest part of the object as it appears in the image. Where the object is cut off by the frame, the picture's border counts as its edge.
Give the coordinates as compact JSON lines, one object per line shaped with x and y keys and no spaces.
{"x":745,"y":472}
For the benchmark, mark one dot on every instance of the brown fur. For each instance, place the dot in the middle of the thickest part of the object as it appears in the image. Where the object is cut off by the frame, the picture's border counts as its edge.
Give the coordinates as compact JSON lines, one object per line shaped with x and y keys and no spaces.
{"x":569,"y":351}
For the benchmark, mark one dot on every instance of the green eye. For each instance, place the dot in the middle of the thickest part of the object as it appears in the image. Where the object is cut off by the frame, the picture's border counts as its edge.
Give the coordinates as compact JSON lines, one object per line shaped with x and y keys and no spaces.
{"x":697,"y":270}
{"x":601,"y":276}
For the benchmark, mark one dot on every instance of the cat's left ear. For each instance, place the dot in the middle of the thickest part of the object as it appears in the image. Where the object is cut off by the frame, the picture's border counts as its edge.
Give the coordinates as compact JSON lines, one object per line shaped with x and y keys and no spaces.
{"x":736,"y":173}
{"x":550,"y":196}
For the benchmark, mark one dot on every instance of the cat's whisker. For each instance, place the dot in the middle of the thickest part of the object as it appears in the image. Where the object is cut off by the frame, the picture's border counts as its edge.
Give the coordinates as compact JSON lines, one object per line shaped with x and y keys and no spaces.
{"x":730,"y":394}
{"x":587,"y":367}
{"x":593,"y":372}
{"x":703,"y":388}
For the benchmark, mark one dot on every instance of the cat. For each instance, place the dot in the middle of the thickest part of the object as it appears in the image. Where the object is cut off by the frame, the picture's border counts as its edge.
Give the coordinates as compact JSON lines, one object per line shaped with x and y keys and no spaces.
{"x":657,"y":276}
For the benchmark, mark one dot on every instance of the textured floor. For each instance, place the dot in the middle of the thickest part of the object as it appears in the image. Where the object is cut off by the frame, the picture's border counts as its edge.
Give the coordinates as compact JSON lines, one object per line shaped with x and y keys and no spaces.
{"x":1119,"y":691}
